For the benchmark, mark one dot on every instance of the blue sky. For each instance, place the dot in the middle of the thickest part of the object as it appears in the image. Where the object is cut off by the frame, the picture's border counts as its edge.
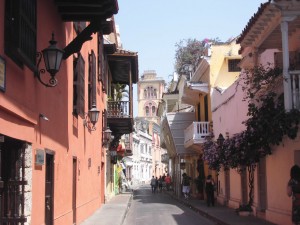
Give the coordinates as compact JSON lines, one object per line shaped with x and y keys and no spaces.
{"x":153,"y":27}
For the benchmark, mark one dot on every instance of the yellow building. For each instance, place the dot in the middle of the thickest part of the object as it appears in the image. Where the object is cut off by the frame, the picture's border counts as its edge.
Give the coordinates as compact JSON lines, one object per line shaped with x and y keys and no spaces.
{"x":186,"y":112}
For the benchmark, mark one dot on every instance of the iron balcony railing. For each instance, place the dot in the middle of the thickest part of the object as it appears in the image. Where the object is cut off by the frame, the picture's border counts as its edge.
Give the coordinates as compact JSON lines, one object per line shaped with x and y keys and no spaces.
{"x":119,"y":109}
{"x":196,"y":132}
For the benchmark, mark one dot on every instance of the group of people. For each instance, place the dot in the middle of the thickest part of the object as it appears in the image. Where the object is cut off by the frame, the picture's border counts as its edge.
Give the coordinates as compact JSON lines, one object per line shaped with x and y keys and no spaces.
{"x":162,"y":181}
{"x":209,"y":188}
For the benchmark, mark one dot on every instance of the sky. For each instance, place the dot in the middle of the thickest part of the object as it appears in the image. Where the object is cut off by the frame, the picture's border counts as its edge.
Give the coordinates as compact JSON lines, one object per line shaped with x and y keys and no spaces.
{"x":153,"y":27}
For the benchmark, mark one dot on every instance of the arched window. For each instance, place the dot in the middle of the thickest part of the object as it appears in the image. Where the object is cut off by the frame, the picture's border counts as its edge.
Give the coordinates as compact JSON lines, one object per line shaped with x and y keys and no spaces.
{"x":153,"y":110}
{"x":150,"y":108}
{"x":150,"y":92}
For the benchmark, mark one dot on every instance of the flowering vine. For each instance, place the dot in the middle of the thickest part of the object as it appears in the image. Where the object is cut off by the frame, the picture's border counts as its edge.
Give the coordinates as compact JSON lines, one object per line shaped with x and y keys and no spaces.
{"x":267,"y":124}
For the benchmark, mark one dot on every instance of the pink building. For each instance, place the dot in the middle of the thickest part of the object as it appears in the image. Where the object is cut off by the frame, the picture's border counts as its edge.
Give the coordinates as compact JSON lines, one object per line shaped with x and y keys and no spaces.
{"x":270,"y":38}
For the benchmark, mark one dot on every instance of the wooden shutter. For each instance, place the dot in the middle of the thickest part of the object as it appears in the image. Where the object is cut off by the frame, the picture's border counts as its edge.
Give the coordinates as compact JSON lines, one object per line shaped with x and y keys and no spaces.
{"x":92,"y":79}
{"x":100,"y":57}
{"x":80,"y":68}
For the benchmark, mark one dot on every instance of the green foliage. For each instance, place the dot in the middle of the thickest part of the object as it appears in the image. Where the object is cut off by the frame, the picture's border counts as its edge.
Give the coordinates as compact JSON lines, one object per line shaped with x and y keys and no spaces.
{"x":118,"y":92}
{"x":189,"y":52}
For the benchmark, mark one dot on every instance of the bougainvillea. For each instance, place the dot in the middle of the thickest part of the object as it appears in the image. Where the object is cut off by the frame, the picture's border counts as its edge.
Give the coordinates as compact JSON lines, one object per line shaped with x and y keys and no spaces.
{"x":266,"y":126}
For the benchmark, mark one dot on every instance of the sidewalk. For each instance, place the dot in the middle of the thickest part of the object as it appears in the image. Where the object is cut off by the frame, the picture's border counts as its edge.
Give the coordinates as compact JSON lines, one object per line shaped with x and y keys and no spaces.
{"x":106,"y":215}
{"x":222,"y":215}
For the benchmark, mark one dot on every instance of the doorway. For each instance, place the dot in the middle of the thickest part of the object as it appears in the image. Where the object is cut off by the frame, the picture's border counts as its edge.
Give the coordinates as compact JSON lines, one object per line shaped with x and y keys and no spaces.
{"x":12,"y":181}
{"x":74,"y":189}
{"x":49,"y":181}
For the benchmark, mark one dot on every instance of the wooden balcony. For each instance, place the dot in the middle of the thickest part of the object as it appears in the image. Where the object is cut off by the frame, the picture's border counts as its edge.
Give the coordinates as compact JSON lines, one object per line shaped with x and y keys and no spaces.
{"x":196,"y":133}
{"x":120,"y":117}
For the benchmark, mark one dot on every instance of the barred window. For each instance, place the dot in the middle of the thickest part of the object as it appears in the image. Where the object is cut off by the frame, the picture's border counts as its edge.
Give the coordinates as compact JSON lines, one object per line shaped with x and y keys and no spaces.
{"x":20,"y":31}
{"x":233,"y":65}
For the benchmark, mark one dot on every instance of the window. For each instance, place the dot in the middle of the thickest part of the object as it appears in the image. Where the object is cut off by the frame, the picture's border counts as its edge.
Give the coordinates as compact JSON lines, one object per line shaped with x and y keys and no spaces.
{"x":20,"y":31}
{"x":233,"y":65}
{"x":78,"y":86}
{"x":153,"y":111}
{"x":150,"y":109}
{"x":150,"y":92}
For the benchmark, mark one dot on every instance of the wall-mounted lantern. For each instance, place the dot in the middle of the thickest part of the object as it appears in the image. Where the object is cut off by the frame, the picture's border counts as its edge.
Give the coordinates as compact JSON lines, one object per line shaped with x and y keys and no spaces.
{"x":52,"y":59}
{"x":107,"y":136}
{"x":91,"y":118}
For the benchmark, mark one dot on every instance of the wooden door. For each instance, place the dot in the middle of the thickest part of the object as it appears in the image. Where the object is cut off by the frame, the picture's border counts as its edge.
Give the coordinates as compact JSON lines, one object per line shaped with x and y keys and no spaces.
{"x":74,"y":189}
{"x":49,"y":189}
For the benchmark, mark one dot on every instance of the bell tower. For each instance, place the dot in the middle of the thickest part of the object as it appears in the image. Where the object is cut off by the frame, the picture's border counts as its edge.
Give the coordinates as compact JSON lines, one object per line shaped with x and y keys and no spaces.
{"x":150,"y":90}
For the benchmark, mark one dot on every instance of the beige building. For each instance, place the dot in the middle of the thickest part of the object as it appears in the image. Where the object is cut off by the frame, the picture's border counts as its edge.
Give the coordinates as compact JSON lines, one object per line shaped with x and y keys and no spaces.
{"x":150,"y":89}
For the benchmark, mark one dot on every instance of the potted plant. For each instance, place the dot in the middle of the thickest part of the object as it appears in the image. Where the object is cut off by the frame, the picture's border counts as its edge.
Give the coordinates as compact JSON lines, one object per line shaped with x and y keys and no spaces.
{"x":244,"y":210}
{"x":118,"y":92}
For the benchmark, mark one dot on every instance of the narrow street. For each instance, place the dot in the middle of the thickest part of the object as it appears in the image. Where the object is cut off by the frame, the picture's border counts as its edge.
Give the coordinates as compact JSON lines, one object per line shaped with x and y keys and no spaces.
{"x":147,"y":209}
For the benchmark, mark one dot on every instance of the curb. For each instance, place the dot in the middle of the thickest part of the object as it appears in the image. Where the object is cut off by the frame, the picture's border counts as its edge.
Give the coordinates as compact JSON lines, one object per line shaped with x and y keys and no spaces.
{"x":127,"y":208}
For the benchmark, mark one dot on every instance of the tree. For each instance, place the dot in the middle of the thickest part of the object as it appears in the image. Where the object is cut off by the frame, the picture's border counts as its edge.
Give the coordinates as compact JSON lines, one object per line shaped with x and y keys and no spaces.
{"x":189,"y":52}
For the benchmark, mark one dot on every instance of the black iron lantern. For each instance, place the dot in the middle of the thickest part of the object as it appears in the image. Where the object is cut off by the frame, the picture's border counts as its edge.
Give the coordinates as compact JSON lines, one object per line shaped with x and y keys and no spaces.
{"x":52,"y":59}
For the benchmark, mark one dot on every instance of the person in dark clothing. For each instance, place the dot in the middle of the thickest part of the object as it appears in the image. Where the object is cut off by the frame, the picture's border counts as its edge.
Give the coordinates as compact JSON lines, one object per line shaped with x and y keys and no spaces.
{"x":186,"y":185}
{"x":209,"y":189}
{"x":153,"y":184}
{"x":160,"y":183}
{"x":293,"y":189}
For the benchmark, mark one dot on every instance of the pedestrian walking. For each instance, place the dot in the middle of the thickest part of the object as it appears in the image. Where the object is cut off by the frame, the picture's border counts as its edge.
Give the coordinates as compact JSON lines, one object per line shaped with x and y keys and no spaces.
{"x":210,"y":189}
{"x":153,"y":184}
{"x":186,"y":185}
{"x":168,"y":181}
{"x":293,"y":189}
{"x":160,"y":183}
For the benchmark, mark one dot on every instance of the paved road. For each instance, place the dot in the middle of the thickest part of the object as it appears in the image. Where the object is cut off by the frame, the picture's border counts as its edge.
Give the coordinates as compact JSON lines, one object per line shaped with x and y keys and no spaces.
{"x":148,"y":209}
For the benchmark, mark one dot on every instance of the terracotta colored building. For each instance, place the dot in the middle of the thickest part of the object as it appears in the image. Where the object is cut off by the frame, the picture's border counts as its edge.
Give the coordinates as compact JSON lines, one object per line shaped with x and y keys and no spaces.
{"x":52,"y":152}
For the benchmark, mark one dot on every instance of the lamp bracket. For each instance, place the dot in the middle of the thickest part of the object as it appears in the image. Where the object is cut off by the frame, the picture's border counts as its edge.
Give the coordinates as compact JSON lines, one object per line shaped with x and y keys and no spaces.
{"x":38,"y":72}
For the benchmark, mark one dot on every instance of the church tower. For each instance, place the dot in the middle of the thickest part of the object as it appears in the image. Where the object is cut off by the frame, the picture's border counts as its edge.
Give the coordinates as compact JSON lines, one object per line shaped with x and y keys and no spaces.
{"x":150,"y":90}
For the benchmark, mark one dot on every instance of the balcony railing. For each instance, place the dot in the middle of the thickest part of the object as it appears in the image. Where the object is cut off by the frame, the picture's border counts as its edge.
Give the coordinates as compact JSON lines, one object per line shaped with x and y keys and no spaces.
{"x":295,"y":79}
{"x":196,"y":133}
{"x":119,"y":109}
